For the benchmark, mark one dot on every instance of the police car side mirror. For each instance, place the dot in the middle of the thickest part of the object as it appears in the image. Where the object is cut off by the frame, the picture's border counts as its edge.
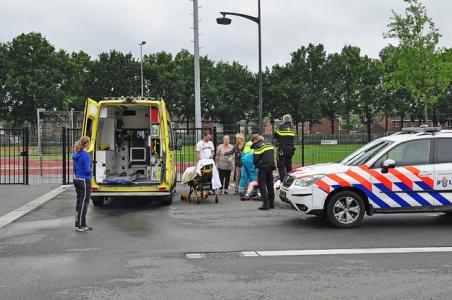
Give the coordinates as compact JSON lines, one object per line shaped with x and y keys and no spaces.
{"x":388,"y":164}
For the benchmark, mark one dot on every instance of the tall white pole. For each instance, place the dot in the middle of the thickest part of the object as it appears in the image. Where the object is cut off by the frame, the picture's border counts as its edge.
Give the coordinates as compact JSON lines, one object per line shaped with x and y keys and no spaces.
{"x":197,"y":71}
{"x":141,"y":55}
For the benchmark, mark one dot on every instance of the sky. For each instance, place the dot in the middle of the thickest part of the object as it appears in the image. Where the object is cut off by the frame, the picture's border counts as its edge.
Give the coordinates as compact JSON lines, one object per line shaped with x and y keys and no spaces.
{"x":95,"y":26}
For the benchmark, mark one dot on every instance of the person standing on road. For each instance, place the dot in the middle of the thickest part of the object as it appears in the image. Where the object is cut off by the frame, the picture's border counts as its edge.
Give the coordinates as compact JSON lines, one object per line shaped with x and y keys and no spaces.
{"x":225,"y":163}
{"x":284,"y":137}
{"x":237,"y":151}
{"x":265,"y":163}
{"x":205,"y":153}
{"x":205,"y":148}
{"x":82,"y":182}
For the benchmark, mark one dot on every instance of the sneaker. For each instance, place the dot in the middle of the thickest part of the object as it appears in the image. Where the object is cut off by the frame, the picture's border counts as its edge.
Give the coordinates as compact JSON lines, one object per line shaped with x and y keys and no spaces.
{"x":264,"y":208}
{"x":84,"y":228}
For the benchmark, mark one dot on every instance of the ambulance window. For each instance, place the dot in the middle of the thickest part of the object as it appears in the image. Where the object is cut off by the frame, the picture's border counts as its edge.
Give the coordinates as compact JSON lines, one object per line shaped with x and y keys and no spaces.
{"x":443,"y":151}
{"x":89,"y":127}
{"x":170,"y":137}
{"x":408,"y":154}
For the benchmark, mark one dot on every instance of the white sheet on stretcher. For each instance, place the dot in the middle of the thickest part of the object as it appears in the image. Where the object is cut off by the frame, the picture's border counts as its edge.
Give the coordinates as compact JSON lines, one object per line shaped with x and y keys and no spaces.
{"x":189,"y":175}
{"x":216,"y":183}
{"x":191,"y":172}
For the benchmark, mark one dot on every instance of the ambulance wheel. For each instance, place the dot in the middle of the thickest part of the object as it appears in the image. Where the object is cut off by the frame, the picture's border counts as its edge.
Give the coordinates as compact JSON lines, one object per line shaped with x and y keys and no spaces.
{"x":346,"y":209}
{"x":98,"y":201}
{"x":167,"y":200}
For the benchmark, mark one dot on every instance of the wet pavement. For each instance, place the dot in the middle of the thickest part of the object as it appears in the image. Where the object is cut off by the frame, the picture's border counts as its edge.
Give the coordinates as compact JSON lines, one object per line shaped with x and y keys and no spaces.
{"x":14,"y":196}
{"x":137,"y":251}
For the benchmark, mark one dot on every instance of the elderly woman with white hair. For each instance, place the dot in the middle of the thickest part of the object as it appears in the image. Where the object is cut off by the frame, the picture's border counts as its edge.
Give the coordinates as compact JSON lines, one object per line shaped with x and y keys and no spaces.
{"x":284,"y":137}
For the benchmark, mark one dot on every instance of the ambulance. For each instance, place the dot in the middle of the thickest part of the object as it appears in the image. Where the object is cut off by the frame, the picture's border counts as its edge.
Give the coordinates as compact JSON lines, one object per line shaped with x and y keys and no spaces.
{"x":408,"y":172}
{"x":132,"y":149}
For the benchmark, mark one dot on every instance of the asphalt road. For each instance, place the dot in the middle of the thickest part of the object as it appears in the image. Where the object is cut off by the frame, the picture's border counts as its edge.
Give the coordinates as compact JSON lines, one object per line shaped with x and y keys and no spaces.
{"x":137,"y":251}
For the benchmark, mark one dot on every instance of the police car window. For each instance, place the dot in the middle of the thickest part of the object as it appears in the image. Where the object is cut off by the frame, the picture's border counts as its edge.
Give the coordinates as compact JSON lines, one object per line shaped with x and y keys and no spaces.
{"x":362,"y":155}
{"x":443,"y":151}
{"x":408,"y":154}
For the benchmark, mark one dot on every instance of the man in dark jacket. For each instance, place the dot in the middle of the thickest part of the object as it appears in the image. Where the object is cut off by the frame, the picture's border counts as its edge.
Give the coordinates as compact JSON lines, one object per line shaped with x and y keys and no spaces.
{"x":284,"y":137}
{"x":265,"y":163}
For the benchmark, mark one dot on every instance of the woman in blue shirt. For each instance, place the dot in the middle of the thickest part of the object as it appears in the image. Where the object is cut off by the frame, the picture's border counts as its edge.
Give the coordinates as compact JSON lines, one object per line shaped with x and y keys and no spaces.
{"x":82,"y":181}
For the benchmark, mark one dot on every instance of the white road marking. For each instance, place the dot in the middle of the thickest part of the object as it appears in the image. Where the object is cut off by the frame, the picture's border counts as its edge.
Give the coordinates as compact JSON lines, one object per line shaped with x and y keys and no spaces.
{"x":249,"y":253}
{"x":23,"y":210}
{"x":354,"y":251}
{"x":335,"y":252}
{"x":82,"y":249}
{"x":193,"y":255}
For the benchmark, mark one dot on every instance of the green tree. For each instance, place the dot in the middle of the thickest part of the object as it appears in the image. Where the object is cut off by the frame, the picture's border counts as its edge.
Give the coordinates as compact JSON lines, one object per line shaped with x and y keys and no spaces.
{"x":349,"y":80}
{"x":77,"y":75}
{"x":419,"y":67}
{"x":114,"y":74}
{"x":370,"y":92}
{"x":332,"y":105}
{"x":32,"y":78}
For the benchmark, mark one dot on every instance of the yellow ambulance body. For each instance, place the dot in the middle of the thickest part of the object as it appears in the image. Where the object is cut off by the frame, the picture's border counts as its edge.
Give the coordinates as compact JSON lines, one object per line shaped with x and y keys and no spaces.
{"x":132,"y":148}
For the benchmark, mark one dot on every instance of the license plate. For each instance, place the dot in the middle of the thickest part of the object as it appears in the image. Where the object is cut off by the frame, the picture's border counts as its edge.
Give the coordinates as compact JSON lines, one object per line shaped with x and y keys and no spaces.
{"x":282,"y":193}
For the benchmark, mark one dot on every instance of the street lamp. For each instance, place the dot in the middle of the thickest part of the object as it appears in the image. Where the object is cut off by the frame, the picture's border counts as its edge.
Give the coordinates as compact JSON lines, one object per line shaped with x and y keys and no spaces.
{"x":226,"y":21}
{"x":141,"y":54}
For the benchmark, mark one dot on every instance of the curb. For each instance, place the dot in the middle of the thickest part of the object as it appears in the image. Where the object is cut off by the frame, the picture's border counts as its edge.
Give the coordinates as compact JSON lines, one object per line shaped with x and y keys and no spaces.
{"x":24,"y":209}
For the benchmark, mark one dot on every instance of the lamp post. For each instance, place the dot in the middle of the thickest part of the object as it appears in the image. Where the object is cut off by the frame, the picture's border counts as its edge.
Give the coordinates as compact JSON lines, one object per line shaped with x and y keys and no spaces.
{"x":226,"y":21}
{"x":141,"y":55}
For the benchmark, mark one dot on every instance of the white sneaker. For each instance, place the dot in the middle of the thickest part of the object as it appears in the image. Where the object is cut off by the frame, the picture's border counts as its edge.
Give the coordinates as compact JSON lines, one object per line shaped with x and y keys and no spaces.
{"x":82,"y":229}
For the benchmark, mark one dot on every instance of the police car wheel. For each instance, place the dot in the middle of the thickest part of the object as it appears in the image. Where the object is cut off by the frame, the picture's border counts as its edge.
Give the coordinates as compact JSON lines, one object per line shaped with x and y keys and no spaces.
{"x":345,"y":210}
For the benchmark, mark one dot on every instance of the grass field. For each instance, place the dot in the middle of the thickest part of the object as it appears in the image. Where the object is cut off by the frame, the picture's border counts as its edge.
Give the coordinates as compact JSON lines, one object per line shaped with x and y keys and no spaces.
{"x":313,"y":154}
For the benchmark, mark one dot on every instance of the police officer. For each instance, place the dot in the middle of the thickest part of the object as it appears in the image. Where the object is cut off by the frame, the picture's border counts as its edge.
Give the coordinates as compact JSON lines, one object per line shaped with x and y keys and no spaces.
{"x":265,"y":163}
{"x":284,"y":137}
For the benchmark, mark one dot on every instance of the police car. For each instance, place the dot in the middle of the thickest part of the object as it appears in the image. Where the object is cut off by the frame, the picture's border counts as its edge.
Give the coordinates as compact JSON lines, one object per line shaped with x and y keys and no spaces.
{"x":410,"y":171}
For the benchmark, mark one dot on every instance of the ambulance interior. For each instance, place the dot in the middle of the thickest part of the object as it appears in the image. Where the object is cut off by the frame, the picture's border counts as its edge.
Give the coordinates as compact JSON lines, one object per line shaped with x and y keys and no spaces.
{"x":128,"y":146}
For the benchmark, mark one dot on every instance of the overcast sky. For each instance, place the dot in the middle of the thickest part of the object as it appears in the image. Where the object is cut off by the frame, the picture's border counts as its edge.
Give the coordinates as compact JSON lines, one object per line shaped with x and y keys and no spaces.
{"x":95,"y":26}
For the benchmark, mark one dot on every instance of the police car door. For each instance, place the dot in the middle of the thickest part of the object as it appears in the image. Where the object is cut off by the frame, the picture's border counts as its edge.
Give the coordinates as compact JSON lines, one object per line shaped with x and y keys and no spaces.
{"x":443,"y":172}
{"x":408,"y":185}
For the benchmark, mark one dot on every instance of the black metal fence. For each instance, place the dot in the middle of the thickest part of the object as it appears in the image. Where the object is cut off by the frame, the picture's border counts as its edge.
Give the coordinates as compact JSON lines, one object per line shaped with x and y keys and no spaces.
{"x":185,"y":144}
{"x":14,"y":152}
{"x":25,"y":160}
{"x":68,"y":139}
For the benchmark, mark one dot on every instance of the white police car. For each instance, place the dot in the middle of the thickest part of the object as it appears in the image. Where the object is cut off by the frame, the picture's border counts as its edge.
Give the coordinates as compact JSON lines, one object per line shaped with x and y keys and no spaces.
{"x":410,"y":171}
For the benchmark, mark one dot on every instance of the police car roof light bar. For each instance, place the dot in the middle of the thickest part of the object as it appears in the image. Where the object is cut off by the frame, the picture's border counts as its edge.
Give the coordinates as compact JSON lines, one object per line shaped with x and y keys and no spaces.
{"x":432,"y":130}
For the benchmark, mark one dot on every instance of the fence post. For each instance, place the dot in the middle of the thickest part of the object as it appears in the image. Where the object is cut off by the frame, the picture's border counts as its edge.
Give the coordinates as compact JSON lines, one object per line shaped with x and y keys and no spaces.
{"x":63,"y":143}
{"x":27,"y":144}
{"x":302,"y":144}
{"x":214,"y":130}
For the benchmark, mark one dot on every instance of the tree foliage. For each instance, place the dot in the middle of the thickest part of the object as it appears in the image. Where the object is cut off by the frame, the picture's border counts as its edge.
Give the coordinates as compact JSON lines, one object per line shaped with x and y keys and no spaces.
{"x":409,"y":79}
{"x":418,"y":64}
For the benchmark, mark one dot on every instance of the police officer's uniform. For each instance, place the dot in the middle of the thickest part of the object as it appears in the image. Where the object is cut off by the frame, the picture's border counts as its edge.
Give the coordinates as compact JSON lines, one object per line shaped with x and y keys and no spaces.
{"x":264,"y":161}
{"x":285,"y":142}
